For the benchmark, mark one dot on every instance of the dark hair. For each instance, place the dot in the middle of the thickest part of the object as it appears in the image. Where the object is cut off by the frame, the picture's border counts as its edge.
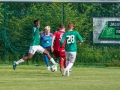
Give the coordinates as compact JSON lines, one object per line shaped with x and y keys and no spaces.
{"x":36,"y":21}
{"x":61,"y":26}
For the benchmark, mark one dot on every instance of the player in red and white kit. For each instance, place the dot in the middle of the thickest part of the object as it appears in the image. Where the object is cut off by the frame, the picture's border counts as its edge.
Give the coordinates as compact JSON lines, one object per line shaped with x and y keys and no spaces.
{"x":59,"y":52}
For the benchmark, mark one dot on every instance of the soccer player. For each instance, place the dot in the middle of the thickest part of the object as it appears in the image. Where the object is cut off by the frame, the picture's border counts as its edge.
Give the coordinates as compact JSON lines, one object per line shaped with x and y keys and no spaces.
{"x":34,"y":46}
{"x":46,"y":41}
{"x":59,"y":52}
{"x":71,"y":37}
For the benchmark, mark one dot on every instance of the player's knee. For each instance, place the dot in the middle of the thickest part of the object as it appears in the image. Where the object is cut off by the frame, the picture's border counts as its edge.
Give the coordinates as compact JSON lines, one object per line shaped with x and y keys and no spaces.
{"x":29,"y":57}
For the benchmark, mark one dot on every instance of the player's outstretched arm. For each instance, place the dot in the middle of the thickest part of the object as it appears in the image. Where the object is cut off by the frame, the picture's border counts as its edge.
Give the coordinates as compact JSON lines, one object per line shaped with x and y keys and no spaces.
{"x":53,"y":39}
{"x":79,"y":37}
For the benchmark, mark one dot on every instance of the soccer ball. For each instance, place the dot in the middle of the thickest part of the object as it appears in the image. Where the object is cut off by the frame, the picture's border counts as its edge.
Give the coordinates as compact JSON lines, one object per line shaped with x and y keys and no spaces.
{"x":53,"y":68}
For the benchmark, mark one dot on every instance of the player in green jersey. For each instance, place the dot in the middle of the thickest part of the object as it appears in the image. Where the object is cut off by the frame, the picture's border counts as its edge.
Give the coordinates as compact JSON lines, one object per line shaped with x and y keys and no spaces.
{"x":35,"y":46}
{"x":71,"y":38}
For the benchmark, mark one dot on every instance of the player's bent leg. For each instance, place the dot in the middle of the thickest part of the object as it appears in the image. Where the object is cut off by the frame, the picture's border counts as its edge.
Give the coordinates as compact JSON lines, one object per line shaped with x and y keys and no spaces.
{"x":22,"y":60}
{"x":71,"y":56}
{"x":46,"y":61}
{"x":30,"y":55}
{"x":68,"y":68}
{"x":32,"y":51}
{"x":47,"y":53}
{"x":64,"y":63}
{"x":67,"y":73}
{"x":41,"y":50}
{"x":50,"y":58}
{"x":61,"y":64}
{"x":67,"y":62}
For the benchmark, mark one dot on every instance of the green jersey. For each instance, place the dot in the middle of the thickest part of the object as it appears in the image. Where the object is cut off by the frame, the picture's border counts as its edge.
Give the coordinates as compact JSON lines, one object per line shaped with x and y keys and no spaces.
{"x":71,"y":37}
{"x":35,"y":37}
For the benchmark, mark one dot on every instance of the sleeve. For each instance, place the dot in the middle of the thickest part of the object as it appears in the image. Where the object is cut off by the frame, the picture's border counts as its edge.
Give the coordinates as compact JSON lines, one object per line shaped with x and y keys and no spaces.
{"x":53,"y":38}
{"x":63,"y":39}
{"x":42,"y":36}
{"x":55,"y":34}
{"x":79,"y":37}
{"x":37,"y":29}
{"x":51,"y":34}
{"x":33,"y":30}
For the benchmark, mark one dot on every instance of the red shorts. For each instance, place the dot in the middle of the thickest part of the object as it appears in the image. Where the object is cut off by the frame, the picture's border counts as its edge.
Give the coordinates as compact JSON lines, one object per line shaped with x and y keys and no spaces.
{"x":60,"y":52}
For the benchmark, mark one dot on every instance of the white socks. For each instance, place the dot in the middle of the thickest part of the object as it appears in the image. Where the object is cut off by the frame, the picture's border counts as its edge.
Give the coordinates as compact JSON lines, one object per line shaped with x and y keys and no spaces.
{"x":19,"y":61}
{"x":52,"y":60}
{"x":69,"y":66}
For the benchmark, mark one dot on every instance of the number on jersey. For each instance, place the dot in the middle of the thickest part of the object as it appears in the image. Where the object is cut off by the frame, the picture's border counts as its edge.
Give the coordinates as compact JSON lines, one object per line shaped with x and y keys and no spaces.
{"x":61,"y":36}
{"x":70,"y":39}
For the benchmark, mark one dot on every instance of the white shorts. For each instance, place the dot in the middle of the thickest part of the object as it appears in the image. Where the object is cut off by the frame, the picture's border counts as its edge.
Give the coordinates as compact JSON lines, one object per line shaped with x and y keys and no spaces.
{"x":71,"y":56}
{"x":34,"y":49}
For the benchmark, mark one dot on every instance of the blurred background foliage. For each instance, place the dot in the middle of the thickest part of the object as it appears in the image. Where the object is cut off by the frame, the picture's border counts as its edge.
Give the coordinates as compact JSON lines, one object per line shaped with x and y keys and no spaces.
{"x":16,"y":22}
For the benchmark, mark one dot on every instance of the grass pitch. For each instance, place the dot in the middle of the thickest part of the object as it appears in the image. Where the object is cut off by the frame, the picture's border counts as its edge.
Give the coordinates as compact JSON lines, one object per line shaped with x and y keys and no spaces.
{"x":38,"y":78}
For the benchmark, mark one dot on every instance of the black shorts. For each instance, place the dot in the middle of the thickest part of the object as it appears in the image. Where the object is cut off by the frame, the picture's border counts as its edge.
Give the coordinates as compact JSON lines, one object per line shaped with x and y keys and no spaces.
{"x":48,"y":49}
